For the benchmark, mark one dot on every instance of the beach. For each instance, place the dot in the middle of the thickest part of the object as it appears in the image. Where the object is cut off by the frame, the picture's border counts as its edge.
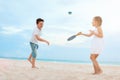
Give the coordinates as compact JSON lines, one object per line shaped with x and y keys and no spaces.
{"x":21,"y":70}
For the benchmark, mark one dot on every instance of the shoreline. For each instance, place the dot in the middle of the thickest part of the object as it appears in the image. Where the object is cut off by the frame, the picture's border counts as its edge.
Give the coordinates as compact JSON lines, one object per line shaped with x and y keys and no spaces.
{"x":65,"y":61}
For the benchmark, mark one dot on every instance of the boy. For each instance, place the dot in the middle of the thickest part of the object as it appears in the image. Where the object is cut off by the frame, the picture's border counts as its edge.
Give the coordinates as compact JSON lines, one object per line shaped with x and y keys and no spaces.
{"x":34,"y":41}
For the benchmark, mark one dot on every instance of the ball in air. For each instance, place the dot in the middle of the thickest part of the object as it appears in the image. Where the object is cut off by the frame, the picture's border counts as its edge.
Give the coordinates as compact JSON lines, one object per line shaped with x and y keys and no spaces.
{"x":69,"y":12}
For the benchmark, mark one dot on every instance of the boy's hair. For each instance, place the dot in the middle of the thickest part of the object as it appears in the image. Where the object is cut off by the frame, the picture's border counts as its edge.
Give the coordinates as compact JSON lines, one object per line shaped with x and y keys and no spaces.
{"x":39,"y":20}
{"x":99,"y":20}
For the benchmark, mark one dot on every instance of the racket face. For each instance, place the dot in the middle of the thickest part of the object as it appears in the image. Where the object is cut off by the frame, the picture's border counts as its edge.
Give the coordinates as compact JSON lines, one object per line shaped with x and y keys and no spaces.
{"x":71,"y":38}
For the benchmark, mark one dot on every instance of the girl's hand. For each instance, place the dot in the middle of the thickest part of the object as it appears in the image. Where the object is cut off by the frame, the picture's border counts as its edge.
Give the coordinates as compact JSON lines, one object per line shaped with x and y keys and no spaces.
{"x":78,"y":33}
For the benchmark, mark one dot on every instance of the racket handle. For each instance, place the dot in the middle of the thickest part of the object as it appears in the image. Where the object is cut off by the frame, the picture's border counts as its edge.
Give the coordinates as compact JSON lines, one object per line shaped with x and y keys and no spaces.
{"x":78,"y":33}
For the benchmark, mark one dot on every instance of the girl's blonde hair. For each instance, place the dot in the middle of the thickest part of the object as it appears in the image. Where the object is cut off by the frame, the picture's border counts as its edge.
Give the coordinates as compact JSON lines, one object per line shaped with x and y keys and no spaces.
{"x":98,"y":19}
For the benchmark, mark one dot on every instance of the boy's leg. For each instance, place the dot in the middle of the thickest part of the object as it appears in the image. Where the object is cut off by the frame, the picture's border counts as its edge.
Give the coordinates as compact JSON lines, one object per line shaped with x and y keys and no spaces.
{"x":29,"y":58}
{"x":34,"y":54}
{"x":33,"y":62}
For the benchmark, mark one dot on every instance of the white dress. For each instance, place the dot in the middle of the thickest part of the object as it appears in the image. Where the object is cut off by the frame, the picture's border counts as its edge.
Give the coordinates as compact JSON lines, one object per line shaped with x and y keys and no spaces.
{"x":97,"y":44}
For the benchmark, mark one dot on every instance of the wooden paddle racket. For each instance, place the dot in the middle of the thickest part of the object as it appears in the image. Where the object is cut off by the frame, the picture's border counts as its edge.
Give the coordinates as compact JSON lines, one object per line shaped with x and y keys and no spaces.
{"x":73,"y":36}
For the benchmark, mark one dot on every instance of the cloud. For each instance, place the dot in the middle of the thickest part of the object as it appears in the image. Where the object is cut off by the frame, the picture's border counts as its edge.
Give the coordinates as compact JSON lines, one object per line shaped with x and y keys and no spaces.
{"x":10,"y":30}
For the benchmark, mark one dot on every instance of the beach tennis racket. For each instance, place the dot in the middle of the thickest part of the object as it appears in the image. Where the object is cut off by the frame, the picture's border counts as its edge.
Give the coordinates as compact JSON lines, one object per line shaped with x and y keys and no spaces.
{"x":73,"y":37}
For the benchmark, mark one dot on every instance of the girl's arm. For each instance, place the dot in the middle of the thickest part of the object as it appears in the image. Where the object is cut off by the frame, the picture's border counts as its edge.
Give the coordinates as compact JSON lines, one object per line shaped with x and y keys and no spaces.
{"x":87,"y":35}
{"x":100,"y":33}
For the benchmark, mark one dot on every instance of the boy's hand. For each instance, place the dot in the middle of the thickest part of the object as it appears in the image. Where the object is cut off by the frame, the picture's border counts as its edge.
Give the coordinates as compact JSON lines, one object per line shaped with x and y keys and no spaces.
{"x":47,"y":42}
{"x":78,"y":33}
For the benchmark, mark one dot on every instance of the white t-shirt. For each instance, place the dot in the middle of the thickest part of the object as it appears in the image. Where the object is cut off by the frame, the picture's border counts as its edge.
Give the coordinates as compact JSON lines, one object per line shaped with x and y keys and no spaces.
{"x":35,"y":32}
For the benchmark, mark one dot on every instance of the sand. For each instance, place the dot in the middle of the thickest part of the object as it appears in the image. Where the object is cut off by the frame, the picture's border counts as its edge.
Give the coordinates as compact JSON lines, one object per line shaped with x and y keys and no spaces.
{"x":21,"y":70}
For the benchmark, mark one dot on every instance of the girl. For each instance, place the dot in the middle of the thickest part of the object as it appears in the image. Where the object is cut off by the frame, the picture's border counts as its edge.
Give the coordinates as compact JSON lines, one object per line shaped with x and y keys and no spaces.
{"x":97,"y":42}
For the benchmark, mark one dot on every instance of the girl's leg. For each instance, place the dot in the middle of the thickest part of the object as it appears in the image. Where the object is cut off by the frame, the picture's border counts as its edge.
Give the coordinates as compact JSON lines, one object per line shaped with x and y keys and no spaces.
{"x":95,"y":64}
{"x":93,"y":57}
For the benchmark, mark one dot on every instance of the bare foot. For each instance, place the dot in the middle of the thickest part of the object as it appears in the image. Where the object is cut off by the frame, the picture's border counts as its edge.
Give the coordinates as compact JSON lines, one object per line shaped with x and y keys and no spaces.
{"x":100,"y":72}
{"x":30,"y":61}
{"x":96,"y":73}
{"x":35,"y":67}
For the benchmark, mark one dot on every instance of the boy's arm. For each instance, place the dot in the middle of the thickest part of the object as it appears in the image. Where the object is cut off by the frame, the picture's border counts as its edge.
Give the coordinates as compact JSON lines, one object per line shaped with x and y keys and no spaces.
{"x":40,"y":39}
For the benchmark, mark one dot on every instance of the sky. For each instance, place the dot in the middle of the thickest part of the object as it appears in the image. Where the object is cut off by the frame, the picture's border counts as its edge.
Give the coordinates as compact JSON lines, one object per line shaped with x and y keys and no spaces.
{"x":17,"y":21}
